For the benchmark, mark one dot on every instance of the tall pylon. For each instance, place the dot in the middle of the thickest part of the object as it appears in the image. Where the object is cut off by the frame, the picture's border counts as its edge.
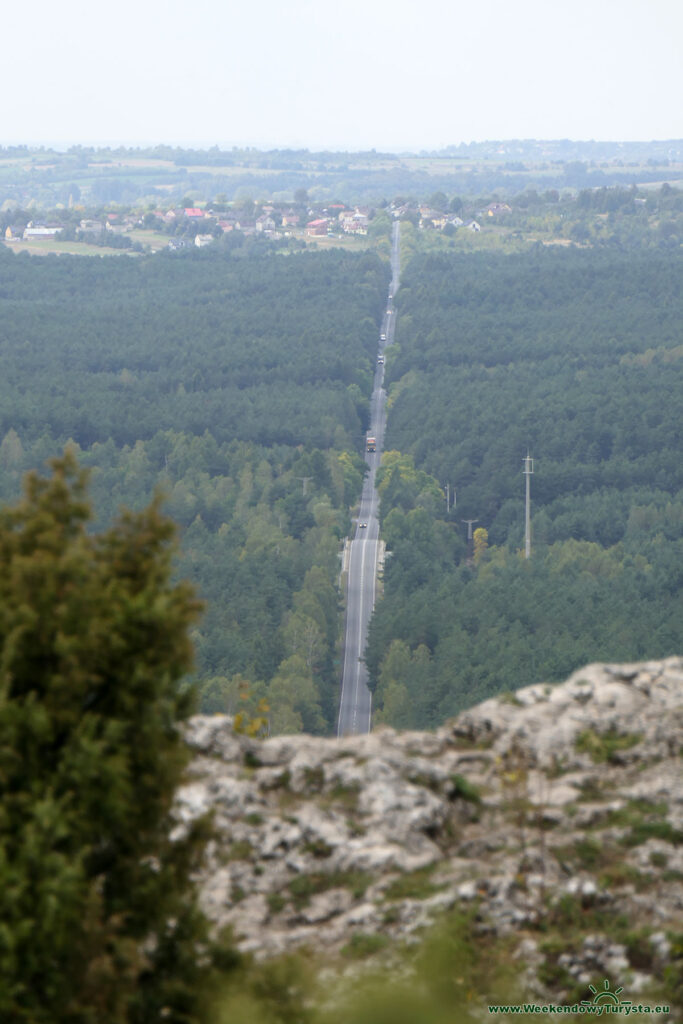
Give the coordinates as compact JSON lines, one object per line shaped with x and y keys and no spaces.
{"x":528,"y":470}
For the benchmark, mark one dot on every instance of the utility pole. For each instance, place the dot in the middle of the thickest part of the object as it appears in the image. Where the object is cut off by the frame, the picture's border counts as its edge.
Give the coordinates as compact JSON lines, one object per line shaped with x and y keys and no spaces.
{"x":448,"y":497}
{"x":528,"y":470}
{"x":305,"y":480}
{"x":470,"y":540}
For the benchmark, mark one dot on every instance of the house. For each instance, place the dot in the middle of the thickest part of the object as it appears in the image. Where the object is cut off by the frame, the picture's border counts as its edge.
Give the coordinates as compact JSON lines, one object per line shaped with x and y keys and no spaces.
{"x":401,"y":211}
{"x":355,"y":223}
{"x":495,"y":209}
{"x":201,"y":240}
{"x":193,"y":212}
{"x":433,"y":217}
{"x":472,"y":225}
{"x":35,"y":232}
{"x":428,"y":212}
{"x":290,"y":219}
{"x":91,"y":227}
{"x":317,"y":227}
{"x":14,"y":232}
{"x":265,"y":223}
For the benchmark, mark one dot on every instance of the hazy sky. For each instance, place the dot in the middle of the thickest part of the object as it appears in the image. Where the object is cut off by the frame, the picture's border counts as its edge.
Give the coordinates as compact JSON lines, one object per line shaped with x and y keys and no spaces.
{"x":349,"y":74}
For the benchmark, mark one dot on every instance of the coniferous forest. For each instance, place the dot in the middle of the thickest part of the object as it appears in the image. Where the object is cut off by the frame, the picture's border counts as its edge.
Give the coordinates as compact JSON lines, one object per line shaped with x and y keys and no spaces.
{"x":237,"y":382}
{"x":575,"y":356}
{"x":237,"y":385}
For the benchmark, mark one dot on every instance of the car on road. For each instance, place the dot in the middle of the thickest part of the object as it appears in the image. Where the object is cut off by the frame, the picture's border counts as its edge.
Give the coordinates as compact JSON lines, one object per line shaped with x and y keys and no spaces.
{"x":382,"y":337}
{"x":362,"y":526}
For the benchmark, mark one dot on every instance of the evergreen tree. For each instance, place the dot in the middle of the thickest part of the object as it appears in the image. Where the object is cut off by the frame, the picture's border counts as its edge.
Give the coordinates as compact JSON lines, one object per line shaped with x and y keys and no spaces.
{"x":97,"y":919}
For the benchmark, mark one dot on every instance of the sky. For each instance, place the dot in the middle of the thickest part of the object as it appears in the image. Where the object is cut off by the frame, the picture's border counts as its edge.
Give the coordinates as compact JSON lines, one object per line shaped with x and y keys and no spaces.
{"x":339,"y":74}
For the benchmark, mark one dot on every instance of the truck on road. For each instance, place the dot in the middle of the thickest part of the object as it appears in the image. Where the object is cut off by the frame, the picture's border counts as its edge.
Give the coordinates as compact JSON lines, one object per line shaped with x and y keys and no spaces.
{"x":372,"y":444}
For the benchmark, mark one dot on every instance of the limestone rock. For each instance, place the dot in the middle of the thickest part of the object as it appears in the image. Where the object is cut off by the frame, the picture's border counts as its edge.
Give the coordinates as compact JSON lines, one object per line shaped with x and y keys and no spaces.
{"x":564,"y":799}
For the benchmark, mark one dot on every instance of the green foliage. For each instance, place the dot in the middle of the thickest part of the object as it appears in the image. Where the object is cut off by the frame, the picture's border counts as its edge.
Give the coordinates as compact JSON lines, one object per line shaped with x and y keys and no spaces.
{"x":644,"y":830}
{"x":416,"y":885}
{"x":239,"y":386}
{"x":605,"y":746}
{"x":261,"y":350}
{"x":464,"y":789}
{"x":303,"y":887}
{"x":98,"y":918}
{"x":558,"y":351}
{"x":362,"y":945}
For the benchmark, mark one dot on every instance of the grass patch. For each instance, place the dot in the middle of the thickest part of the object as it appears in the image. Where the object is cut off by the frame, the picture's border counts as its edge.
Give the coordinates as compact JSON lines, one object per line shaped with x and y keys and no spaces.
{"x":314,"y":779}
{"x":606,"y":860}
{"x":639,"y":950}
{"x":240,"y":850}
{"x":414,"y":885}
{"x":342,"y":794}
{"x":462,"y":789}
{"x":318,"y":848}
{"x":363,"y":945}
{"x":569,"y":917}
{"x":508,"y":697}
{"x":620,"y":874}
{"x":586,"y":853}
{"x":254,"y":819}
{"x":426,"y":781}
{"x":276,"y":902}
{"x":237,"y":894}
{"x":652,"y":830}
{"x":303,"y":887}
{"x":591,"y":790}
{"x":634,"y":812}
{"x":605,"y":747}
{"x":644,"y":821}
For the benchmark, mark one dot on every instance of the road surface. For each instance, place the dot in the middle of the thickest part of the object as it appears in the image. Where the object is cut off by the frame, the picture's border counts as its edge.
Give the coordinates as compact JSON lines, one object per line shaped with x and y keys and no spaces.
{"x":355,"y":708}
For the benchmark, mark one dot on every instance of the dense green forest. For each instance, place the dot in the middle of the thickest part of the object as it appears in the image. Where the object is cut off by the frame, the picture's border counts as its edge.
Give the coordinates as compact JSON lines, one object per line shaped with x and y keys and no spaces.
{"x":238,"y":381}
{"x":238,"y":384}
{"x":576,"y":356}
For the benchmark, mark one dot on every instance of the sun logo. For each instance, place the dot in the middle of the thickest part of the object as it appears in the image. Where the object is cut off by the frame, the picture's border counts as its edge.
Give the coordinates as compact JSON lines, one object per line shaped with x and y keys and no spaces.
{"x":605,"y":996}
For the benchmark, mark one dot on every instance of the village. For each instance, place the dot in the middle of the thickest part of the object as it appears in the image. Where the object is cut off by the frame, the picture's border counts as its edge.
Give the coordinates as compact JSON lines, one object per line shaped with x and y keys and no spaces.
{"x":204,"y":224}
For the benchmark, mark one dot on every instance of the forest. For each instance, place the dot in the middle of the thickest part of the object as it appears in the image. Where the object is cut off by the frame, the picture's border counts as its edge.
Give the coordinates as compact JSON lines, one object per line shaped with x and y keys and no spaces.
{"x":237,"y":381}
{"x":575,"y":356}
{"x":237,"y":384}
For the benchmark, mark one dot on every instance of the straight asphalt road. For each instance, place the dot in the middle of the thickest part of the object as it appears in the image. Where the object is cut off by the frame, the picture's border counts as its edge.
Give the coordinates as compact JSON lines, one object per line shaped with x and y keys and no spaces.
{"x":355,"y":708}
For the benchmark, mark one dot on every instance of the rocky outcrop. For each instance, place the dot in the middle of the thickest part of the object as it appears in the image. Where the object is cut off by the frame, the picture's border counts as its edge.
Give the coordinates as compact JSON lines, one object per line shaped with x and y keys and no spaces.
{"x":557,"y":811}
